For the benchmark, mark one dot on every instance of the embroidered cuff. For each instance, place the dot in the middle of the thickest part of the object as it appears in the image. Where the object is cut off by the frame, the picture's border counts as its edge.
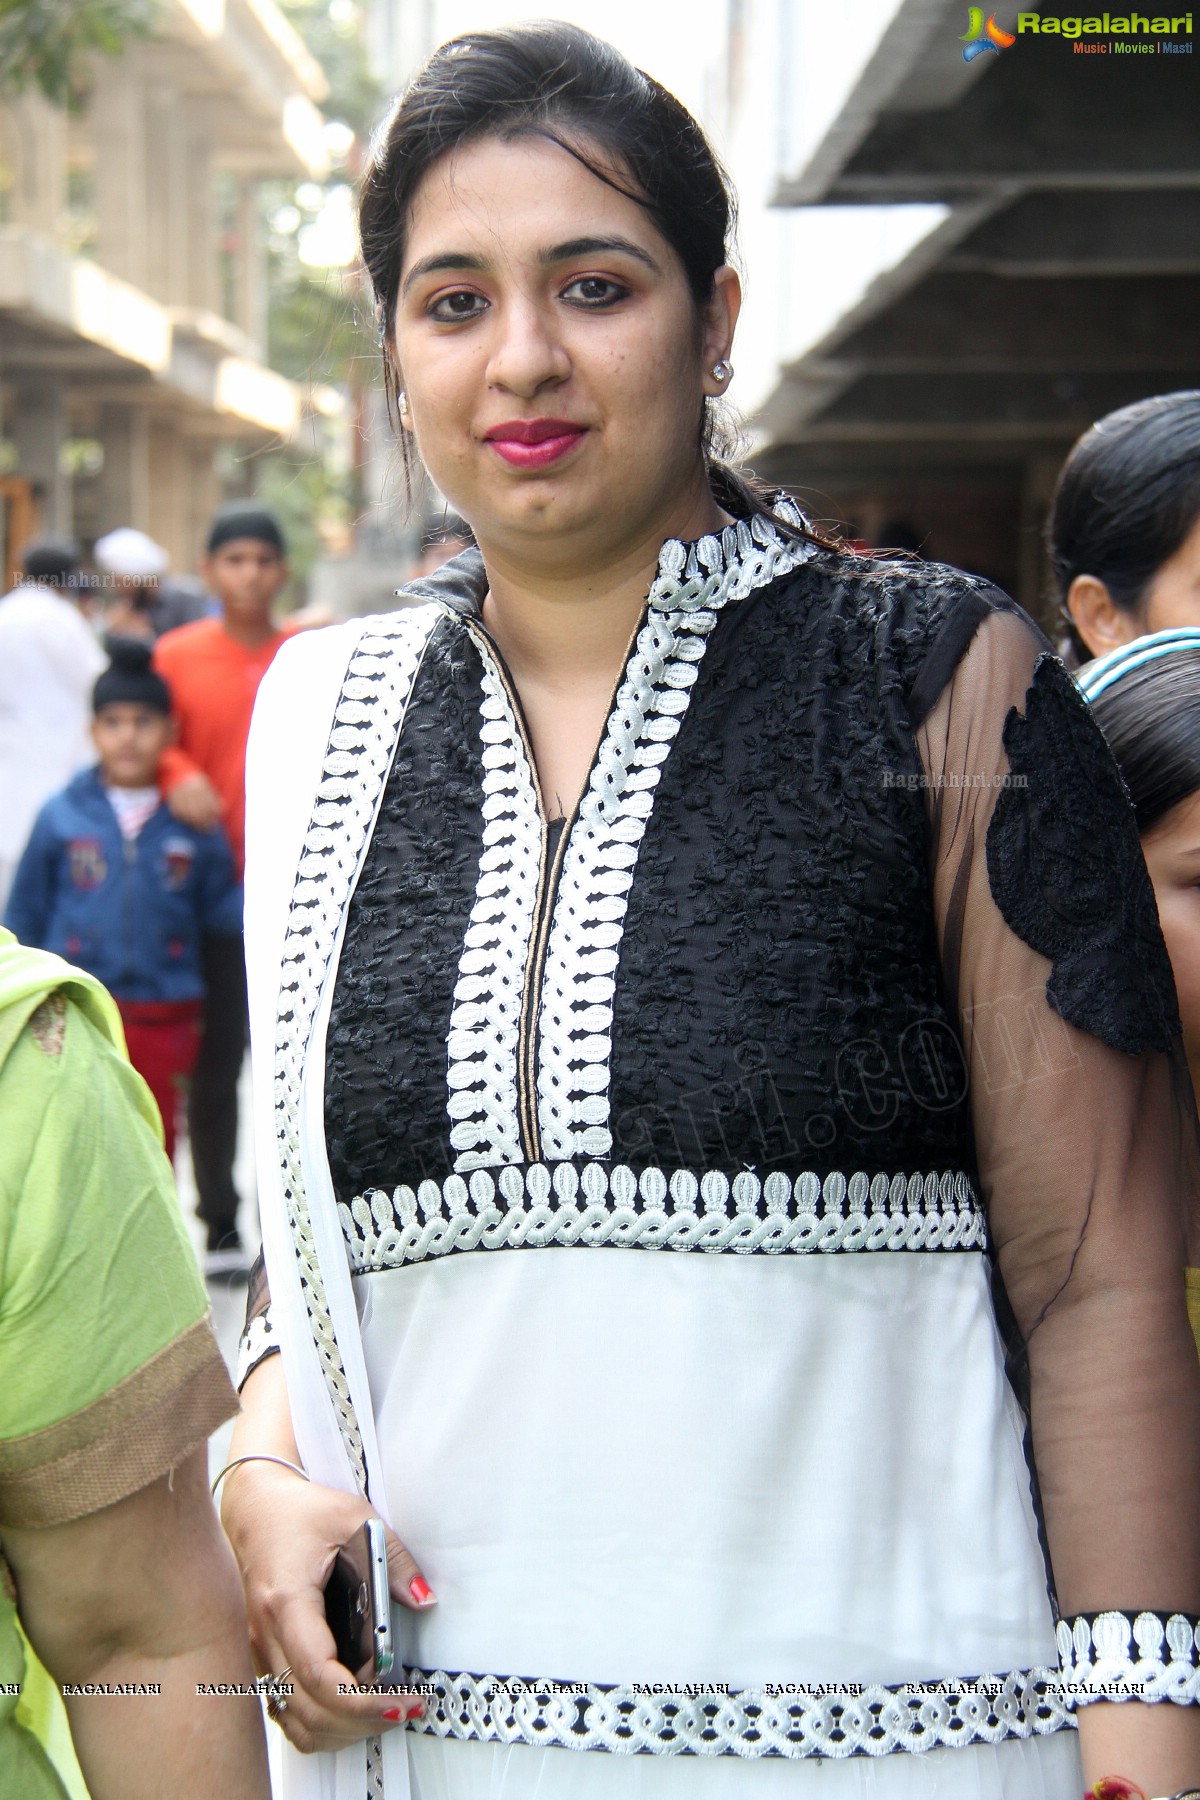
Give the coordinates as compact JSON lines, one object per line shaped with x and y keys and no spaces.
{"x":256,"y":1343}
{"x":1121,"y":1656}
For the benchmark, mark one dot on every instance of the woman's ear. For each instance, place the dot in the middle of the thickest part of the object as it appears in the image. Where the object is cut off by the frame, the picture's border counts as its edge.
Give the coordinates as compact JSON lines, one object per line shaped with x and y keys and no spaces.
{"x":1099,"y":621}
{"x":719,"y":318}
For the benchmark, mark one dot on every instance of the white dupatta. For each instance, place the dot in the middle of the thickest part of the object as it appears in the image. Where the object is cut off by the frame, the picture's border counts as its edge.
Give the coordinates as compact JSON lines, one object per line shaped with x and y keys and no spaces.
{"x":324,"y":734}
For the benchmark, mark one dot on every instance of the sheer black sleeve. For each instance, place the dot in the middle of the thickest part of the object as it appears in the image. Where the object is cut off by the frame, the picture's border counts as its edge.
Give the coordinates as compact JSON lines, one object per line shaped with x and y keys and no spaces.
{"x":258,"y":1339}
{"x":1085,"y":1137}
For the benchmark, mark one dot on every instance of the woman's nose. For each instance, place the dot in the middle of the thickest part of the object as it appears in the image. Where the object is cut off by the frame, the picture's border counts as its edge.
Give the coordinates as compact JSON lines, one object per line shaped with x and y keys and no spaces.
{"x":528,"y":352}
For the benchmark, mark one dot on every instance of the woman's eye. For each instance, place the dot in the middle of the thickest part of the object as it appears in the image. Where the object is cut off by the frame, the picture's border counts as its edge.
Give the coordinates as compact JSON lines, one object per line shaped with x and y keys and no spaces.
{"x":594,"y":290}
{"x":462,"y":304}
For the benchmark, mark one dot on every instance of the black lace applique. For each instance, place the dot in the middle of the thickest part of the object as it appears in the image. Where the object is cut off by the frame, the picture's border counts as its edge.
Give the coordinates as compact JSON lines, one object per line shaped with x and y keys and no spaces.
{"x":1066,"y":870}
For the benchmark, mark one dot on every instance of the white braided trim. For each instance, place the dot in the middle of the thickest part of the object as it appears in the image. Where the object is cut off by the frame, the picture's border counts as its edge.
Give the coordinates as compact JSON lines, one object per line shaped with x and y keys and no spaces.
{"x":596,"y":1206}
{"x":362,"y":742}
{"x":484,"y":1034}
{"x":787,"y":1719}
{"x":255,"y":1344}
{"x":747,"y":555}
{"x":375,"y":1787}
{"x":579,"y":980}
{"x":1123,"y":1656}
{"x":575,"y":1016}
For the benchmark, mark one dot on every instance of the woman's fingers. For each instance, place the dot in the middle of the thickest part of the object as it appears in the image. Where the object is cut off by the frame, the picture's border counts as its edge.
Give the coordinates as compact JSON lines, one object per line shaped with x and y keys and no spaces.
{"x":287,"y":1535}
{"x":327,"y":1707}
{"x":406,"y":1581}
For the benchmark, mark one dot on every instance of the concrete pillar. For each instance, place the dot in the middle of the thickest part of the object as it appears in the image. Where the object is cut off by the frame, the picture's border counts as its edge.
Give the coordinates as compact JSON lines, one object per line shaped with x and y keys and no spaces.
{"x":203,"y":497}
{"x":176,"y":224}
{"x":179,"y":222}
{"x":160,"y":277}
{"x":199,"y":211}
{"x":38,"y":428}
{"x":170,"y":474}
{"x":35,"y":142}
{"x":119,"y":127}
{"x":124,"y":482}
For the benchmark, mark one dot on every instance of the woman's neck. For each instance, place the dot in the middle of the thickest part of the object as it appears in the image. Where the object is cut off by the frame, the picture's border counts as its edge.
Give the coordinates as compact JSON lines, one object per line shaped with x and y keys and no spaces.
{"x":563,"y":623}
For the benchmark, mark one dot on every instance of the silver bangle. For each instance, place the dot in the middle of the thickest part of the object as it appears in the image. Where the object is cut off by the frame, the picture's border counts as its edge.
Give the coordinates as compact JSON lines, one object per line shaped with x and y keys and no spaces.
{"x":257,"y":1456}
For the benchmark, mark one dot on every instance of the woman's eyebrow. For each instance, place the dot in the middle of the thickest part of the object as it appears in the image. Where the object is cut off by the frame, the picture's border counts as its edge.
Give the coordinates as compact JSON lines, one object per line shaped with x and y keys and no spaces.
{"x":555,"y":253}
{"x":433,"y":265}
{"x":596,"y":246}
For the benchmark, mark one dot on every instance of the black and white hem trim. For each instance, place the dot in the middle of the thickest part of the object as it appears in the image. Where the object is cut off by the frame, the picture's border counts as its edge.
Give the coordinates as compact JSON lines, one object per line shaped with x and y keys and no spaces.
{"x":1146,"y":1656}
{"x":784,"y":1719}
{"x":256,"y":1343}
{"x":596,"y":1205}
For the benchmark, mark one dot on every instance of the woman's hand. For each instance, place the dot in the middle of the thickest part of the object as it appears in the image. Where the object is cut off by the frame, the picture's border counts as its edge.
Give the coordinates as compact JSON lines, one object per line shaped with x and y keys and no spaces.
{"x":286,"y":1534}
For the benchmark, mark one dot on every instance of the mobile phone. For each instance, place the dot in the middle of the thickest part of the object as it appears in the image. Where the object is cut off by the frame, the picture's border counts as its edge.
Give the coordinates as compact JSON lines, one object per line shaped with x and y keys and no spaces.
{"x":358,"y":1604}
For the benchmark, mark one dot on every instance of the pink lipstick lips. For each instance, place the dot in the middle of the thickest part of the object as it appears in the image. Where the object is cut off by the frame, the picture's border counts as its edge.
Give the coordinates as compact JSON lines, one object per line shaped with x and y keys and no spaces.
{"x":534,"y":443}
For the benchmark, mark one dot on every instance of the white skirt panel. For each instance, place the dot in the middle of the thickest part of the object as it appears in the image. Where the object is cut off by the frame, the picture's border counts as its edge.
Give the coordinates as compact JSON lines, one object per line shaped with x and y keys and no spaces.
{"x":624,"y":1466}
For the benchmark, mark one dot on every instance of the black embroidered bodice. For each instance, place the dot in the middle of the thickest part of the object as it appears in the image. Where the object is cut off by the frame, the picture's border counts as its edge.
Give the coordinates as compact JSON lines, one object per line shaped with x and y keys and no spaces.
{"x":730,"y":960}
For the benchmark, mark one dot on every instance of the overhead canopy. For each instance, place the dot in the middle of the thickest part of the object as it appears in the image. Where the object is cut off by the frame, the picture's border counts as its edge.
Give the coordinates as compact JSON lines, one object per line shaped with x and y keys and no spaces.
{"x":1064,"y":282}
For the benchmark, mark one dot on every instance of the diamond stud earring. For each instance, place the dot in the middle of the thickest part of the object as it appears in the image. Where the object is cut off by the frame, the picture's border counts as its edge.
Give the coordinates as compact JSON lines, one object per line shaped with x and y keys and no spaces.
{"x":721,"y":371}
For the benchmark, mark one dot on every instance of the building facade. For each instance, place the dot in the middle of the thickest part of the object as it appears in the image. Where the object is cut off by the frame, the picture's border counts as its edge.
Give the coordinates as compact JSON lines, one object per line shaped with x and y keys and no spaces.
{"x":132,"y":294}
{"x":1024,"y":212}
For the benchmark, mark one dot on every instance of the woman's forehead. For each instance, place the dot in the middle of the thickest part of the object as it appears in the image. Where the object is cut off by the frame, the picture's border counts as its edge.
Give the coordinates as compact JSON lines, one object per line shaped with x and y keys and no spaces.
{"x":520,"y":196}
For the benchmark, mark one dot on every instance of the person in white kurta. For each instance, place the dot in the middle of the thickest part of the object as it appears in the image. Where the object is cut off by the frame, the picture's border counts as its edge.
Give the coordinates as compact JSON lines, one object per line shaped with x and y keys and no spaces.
{"x":49,"y":661}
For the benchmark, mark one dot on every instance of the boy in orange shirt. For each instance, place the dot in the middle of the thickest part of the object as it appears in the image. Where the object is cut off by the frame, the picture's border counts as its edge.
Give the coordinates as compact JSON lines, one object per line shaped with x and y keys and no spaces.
{"x":213,"y":669}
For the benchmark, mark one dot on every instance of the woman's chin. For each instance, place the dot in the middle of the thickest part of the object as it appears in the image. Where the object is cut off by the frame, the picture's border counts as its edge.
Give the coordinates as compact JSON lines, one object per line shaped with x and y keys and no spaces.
{"x":533,"y":511}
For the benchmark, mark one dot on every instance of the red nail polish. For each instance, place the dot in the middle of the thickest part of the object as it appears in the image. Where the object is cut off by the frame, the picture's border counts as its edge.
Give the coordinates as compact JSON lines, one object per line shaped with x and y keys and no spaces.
{"x":415,"y":1711}
{"x":392,"y":1715}
{"x":420,"y":1590}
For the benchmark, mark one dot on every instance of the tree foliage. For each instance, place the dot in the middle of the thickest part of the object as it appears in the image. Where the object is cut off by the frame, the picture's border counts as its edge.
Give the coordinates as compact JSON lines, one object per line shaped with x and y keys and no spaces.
{"x":46,"y":44}
{"x":354,"y":95}
{"x":315,"y":332}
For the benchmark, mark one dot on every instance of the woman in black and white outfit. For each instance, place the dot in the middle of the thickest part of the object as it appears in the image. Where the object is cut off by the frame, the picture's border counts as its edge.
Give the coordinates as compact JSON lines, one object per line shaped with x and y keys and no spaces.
{"x":716,"y":1060}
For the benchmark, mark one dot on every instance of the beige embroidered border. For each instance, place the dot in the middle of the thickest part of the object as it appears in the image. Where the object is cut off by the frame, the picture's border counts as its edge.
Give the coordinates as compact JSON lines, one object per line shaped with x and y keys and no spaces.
{"x":121,"y":1442}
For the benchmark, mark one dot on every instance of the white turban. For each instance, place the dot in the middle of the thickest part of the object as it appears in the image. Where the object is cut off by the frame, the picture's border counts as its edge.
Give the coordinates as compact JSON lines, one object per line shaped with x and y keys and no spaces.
{"x":130,"y":553}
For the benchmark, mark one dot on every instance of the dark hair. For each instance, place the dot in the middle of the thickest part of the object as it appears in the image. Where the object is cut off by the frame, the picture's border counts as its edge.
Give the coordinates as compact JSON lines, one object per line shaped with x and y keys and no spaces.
{"x":1128,"y":495}
{"x":245,"y":519}
{"x":1151,"y":718}
{"x":557,"y":81}
{"x":129,"y":679}
{"x":52,"y":560}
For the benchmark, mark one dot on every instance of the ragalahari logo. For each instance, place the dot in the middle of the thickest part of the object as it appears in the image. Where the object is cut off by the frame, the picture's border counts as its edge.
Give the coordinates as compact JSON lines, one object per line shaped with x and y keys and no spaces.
{"x":985,"y":37}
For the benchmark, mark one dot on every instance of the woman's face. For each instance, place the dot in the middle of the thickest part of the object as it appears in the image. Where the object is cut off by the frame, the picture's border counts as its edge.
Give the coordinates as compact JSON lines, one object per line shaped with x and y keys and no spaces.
{"x":551,"y":355}
{"x":1173,"y":597}
{"x":1172,"y":852}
